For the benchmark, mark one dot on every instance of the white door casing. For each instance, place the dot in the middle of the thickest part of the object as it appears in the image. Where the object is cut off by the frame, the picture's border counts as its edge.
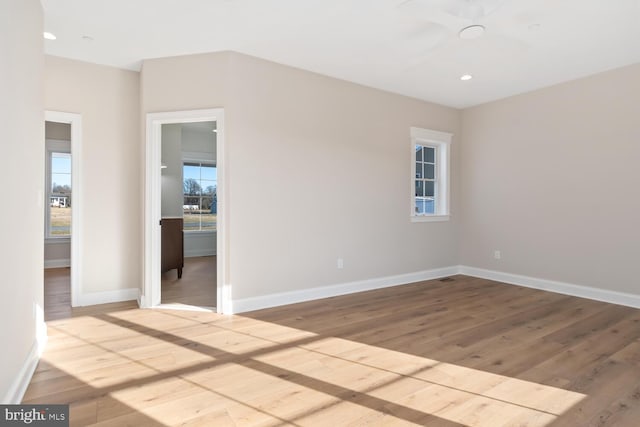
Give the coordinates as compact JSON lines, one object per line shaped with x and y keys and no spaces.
{"x":75,"y":120}
{"x":151,"y":292}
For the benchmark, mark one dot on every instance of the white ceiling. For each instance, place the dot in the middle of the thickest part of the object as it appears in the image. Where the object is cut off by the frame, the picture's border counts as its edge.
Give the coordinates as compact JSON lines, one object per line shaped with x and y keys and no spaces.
{"x":407,"y":47}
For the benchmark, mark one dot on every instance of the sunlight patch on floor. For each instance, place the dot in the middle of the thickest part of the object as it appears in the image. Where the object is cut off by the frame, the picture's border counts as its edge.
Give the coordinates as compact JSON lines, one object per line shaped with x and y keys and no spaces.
{"x":205,"y":368}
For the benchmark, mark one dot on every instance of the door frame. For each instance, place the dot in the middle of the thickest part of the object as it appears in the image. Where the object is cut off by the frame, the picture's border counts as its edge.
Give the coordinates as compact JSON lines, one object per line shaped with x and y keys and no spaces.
{"x":75,"y":120}
{"x":151,"y":292}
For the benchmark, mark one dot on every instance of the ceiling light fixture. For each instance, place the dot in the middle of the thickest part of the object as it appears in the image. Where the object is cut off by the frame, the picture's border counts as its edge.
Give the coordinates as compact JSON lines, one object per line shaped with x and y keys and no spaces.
{"x":471,"y":32}
{"x":49,"y":36}
{"x":466,"y":77}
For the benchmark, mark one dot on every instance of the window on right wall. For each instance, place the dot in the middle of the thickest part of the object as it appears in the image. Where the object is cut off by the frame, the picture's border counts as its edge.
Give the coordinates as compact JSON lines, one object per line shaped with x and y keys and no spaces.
{"x":430,"y":175}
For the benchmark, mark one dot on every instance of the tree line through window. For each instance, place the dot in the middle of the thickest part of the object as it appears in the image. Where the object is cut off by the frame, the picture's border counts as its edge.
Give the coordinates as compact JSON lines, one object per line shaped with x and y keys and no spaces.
{"x":200,"y":183}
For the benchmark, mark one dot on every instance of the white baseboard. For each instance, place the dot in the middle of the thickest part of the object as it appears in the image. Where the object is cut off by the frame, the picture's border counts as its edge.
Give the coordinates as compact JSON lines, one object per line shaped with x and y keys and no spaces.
{"x":57,"y":263}
{"x":614,"y":297}
{"x":23,"y":378}
{"x":291,"y":297}
{"x":191,"y":253}
{"x":119,"y":295}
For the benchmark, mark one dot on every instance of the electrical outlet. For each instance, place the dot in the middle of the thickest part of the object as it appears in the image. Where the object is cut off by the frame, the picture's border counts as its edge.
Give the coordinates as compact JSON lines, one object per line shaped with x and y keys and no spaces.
{"x":340,"y":263}
{"x":497,"y":254}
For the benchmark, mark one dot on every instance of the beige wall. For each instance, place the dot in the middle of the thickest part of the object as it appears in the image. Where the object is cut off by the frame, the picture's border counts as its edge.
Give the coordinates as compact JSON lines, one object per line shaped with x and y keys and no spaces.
{"x":21,"y":74}
{"x":108,"y":100}
{"x":326,"y":162}
{"x":551,"y":178}
{"x":318,"y":169}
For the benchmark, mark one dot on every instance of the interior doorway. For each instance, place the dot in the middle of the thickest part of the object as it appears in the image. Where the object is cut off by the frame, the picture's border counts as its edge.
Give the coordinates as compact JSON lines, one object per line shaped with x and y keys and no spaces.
{"x":194,"y":209}
{"x":62,"y":290}
{"x":189,"y":212}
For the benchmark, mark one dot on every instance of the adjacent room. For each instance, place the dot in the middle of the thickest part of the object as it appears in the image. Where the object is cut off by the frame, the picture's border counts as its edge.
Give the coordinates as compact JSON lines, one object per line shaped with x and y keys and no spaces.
{"x":411,"y":212}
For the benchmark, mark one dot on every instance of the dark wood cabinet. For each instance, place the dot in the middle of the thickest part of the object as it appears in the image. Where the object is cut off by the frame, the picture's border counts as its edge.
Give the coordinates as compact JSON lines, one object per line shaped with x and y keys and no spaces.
{"x":172,"y":245}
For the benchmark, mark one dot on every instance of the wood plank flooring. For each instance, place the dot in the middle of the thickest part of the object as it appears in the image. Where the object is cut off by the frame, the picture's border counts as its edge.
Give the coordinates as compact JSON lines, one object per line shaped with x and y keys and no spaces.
{"x":196,"y":287}
{"x":57,"y":297}
{"x":460,"y":352}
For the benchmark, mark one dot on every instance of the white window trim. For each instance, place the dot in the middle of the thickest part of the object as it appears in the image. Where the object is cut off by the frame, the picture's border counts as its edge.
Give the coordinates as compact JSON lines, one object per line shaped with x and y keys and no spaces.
{"x":441,"y":141}
{"x":53,"y":146}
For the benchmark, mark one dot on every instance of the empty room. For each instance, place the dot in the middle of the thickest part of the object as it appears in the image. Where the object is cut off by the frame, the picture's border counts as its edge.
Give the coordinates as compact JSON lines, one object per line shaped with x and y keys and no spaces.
{"x":305,"y":213}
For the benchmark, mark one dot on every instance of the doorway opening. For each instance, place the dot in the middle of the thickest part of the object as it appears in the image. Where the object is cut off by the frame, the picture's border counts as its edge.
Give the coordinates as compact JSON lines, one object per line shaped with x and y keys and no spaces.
{"x":62,"y":214}
{"x":185,"y":212}
{"x":189,"y":213}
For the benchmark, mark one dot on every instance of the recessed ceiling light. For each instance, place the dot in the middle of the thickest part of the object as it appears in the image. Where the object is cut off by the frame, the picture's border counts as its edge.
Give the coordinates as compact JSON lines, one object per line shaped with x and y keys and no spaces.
{"x":466,"y":77}
{"x":49,"y":36}
{"x":471,"y":32}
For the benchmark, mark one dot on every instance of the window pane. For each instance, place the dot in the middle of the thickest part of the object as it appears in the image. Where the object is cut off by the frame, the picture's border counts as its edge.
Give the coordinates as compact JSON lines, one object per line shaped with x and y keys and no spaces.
{"x":209,"y":222}
{"x":61,"y":163}
{"x":191,"y":179}
{"x":191,"y":213}
{"x":205,"y":204}
{"x":430,"y":206}
{"x":419,"y":189}
{"x":191,"y":218}
{"x":418,"y":153}
{"x":60,"y":183}
{"x":191,"y":187}
{"x":209,"y":172}
{"x":429,"y":171}
{"x":418,"y":170}
{"x":429,"y":154}
{"x":208,"y":187}
{"x":429,"y":188}
{"x":60,"y":195}
{"x":61,"y":173}
{"x":200,"y":182}
{"x":60,"y":224}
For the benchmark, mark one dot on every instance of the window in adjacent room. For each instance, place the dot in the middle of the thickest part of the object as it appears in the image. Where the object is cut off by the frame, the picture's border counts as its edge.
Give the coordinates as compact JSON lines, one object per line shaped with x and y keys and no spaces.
{"x":430,"y":175}
{"x":58,"y":196}
{"x":200,"y":182}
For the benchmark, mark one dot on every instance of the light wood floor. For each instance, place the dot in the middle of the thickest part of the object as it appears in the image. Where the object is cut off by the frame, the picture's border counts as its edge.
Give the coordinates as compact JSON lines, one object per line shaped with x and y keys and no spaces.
{"x":464,"y":352}
{"x":197,"y":285}
{"x":57,"y":297}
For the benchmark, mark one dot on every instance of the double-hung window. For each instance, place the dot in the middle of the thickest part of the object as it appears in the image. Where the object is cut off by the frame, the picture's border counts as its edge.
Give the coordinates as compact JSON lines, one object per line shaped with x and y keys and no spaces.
{"x":58,"y":190}
{"x":200,"y":182}
{"x":430,"y":175}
